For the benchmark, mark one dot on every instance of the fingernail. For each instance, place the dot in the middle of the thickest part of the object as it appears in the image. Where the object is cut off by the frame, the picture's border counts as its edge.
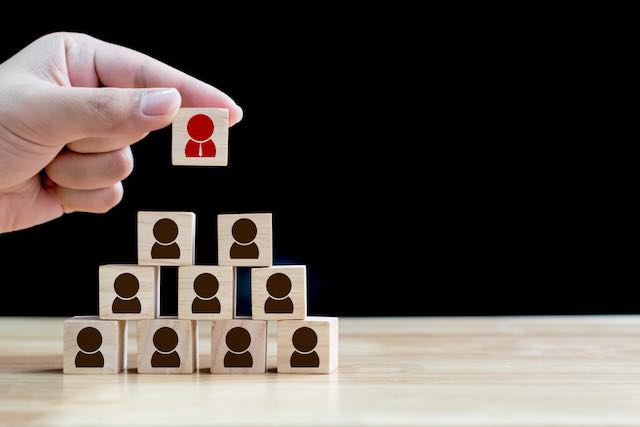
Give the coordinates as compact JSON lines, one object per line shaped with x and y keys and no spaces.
{"x":160,"y":102}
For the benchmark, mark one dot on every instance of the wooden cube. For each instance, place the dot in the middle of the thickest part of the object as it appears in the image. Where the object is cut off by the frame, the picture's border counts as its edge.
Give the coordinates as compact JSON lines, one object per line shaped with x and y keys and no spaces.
{"x":200,"y":137}
{"x":166,"y":238}
{"x":129,"y":292}
{"x":279,"y":292}
{"x":167,"y":346}
{"x":308,"y":346}
{"x":206,"y":292}
{"x":245,"y":240}
{"x":238,"y":346}
{"x":94,"y":346}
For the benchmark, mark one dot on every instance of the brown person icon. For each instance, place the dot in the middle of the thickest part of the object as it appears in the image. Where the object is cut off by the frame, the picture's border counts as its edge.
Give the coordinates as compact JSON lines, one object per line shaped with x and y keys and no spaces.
{"x":304,"y":341}
{"x":278,"y":287}
{"x":165,"y":340}
{"x":238,"y":340}
{"x":244,"y":231}
{"x":165,"y":232}
{"x":89,"y":341}
{"x":126,"y":286}
{"x":205,"y":286}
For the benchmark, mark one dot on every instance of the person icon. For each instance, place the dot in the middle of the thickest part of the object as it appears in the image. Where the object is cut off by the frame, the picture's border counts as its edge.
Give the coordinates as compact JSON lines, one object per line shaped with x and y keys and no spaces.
{"x":165,"y":232}
{"x":126,"y":286}
{"x":200,"y":128}
{"x":238,"y":341}
{"x":165,"y":340}
{"x":89,"y":341}
{"x":278,"y":287}
{"x":304,"y":341}
{"x":205,"y":286}
{"x":244,"y":231}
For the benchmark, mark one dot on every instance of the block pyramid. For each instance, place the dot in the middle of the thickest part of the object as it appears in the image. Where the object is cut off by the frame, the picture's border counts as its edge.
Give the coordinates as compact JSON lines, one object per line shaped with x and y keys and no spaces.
{"x":131,"y":292}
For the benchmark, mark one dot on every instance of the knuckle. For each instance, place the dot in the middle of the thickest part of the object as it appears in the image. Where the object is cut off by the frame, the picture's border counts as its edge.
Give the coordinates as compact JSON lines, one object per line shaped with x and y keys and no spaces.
{"x":112,"y":196}
{"x":57,"y":35}
{"x":56,"y":170}
{"x":121,"y":163}
{"x":54,"y":37}
{"x":66,"y":36}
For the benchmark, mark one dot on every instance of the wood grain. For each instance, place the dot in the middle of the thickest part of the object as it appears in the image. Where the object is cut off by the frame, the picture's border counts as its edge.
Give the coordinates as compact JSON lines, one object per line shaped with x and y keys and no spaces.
{"x":113,"y":347}
{"x":186,"y":349}
{"x":263,"y":239}
{"x":220,"y":137}
{"x":186,"y":222}
{"x":297,"y":274}
{"x":257,"y":348}
{"x":326,"y":330}
{"x":542,"y":371}
{"x":226,"y":294}
{"x":148,"y":293}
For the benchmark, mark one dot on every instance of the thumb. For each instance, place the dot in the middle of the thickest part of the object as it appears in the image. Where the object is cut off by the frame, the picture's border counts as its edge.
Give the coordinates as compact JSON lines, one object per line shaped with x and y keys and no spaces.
{"x":64,"y":114}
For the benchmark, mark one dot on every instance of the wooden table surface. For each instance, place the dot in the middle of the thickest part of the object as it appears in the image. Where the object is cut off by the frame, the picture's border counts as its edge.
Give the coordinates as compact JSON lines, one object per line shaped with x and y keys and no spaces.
{"x":546,"y":371}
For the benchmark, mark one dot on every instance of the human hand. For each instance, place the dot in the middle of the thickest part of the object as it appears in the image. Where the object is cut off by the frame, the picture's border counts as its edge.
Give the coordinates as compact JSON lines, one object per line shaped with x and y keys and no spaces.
{"x":71,"y":105}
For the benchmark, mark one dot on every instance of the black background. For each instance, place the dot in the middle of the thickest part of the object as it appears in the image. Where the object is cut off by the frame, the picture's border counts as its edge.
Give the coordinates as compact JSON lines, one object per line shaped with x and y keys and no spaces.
{"x":414,"y":173}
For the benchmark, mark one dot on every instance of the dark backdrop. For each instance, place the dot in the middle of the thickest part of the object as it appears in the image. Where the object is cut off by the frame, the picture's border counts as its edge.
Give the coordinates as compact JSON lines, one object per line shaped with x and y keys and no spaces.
{"x":413,"y":173}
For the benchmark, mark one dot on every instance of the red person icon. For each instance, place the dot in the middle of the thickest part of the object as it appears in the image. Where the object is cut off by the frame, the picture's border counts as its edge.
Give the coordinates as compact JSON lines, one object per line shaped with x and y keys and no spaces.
{"x":200,"y":129}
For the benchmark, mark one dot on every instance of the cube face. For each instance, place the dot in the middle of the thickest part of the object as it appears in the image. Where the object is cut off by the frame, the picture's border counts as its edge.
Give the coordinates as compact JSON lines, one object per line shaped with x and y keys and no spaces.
{"x":238,"y":346}
{"x":245,"y":240}
{"x":94,"y":346}
{"x":279,"y":292}
{"x":206,"y":292}
{"x":129,"y":292}
{"x":308,"y":346}
{"x":200,"y":137}
{"x":166,"y":238}
{"x":167,"y":346}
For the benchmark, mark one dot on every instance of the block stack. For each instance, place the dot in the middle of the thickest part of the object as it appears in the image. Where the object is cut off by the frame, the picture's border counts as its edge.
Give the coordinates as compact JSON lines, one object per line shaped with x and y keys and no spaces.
{"x":305,"y":344}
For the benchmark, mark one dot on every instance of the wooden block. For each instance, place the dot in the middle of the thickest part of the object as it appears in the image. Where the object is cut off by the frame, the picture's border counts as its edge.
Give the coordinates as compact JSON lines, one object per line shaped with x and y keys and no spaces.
{"x":94,"y":346}
{"x":166,"y":238}
{"x":200,"y":137}
{"x":167,"y":346}
{"x":206,"y":292}
{"x":279,"y":292}
{"x":245,"y":240}
{"x":308,"y":346}
{"x":238,"y":346}
{"x":129,"y":292}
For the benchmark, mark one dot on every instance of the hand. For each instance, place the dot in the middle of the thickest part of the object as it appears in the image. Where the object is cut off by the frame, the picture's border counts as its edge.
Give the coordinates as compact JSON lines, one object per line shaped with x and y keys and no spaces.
{"x":64,"y":110}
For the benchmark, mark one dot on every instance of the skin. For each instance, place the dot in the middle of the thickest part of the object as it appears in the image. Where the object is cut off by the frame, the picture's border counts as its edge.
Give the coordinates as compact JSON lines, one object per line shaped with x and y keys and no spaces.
{"x":70,"y":107}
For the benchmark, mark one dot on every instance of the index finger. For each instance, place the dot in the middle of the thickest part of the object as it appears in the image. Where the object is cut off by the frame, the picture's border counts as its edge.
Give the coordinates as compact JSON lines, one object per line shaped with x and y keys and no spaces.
{"x":118,"y":66}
